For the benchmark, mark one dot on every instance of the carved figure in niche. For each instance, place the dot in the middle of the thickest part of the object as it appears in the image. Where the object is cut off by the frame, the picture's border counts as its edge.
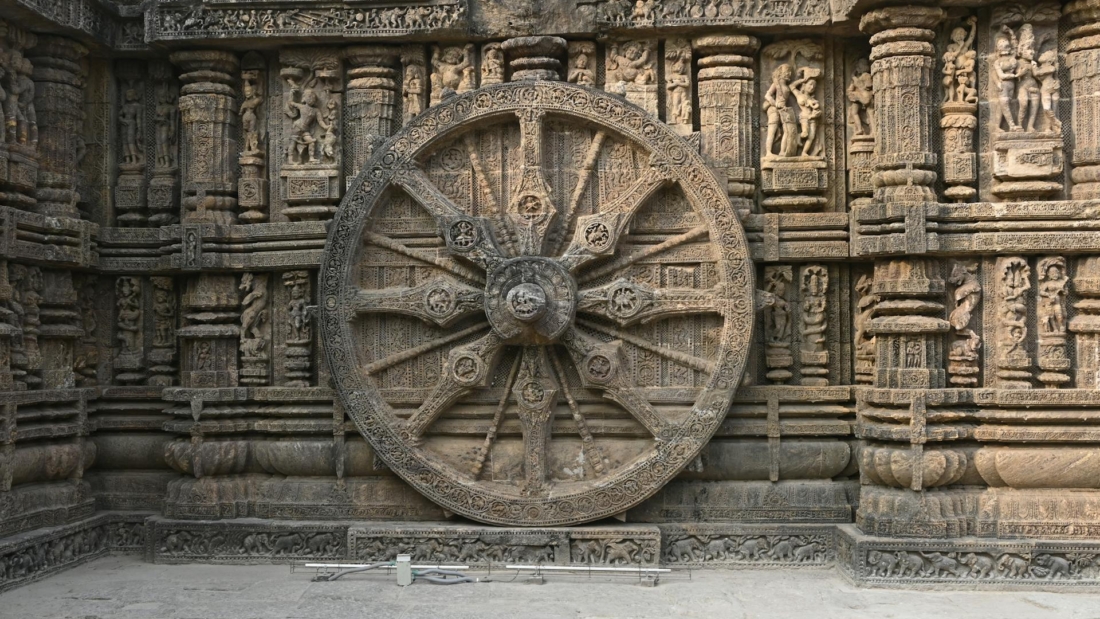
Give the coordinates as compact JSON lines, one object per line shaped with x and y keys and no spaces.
{"x":961,"y":46}
{"x":254,"y":305}
{"x":861,"y":100}
{"x":298,"y":318}
{"x":781,"y":118}
{"x":1049,"y":87}
{"x":913,"y":351}
{"x":128,"y":303}
{"x":250,"y":124}
{"x":329,"y":122}
{"x":492,"y":65}
{"x":130,"y":116}
{"x":1052,"y":296}
{"x":968,"y":292}
{"x":629,"y":63}
{"x":413,"y":90}
{"x":581,"y":73}
{"x":165,"y":119}
{"x":303,"y":144}
{"x":449,"y":65}
{"x":814,"y":283}
{"x":1027,"y":85}
{"x":809,"y":119}
{"x":1004,"y":71}
{"x":679,"y":85}
{"x":203,"y":356}
{"x":643,"y":10}
{"x":778,"y":315}
{"x":21,"y":89}
{"x":164,"y":313}
{"x":865,"y":340}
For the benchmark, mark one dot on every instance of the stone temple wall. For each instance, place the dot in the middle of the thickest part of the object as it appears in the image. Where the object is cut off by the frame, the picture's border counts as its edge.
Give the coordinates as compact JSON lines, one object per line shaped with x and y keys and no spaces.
{"x":773,"y":282}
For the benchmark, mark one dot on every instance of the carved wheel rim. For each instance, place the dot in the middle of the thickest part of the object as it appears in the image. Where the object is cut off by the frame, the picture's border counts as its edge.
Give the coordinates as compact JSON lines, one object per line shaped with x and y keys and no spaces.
{"x":542,"y":315}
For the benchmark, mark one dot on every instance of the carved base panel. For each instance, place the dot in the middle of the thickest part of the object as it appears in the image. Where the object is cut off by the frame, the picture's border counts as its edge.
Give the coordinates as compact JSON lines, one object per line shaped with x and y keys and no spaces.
{"x":263,"y":496}
{"x":477,"y":544}
{"x":28,"y":557}
{"x":244,"y":541}
{"x":967,"y":563}
{"x":711,"y":501}
{"x":129,"y":490}
{"x":45,"y":505}
{"x":748,"y":546}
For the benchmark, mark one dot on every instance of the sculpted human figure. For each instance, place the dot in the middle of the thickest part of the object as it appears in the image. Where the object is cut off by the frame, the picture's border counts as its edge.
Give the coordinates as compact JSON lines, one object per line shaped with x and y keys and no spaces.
{"x":166,"y":126}
{"x":778,"y":315}
{"x":1049,"y":86}
{"x":493,"y":65}
{"x":413,"y":90}
{"x":130,"y":123}
{"x":1052,"y":298}
{"x":1027,"y":86}
{"x":630,"y":62}
{"x":679,"y":83}
{"x":449,"y":65}
{"x":303,"y":144}
{"x":249,"y":120}
{"x":254,"y":305}
{"x":129,"y":314}
{"x":22,"y":88}
{"x":328,"y":122}
{"x":809,"y":107}
{"x":861,"y":100}
{"x":961,"y":43}
{"x":781,"y":119}
{"x":865,"y":340}
{"x":580,"y":73}
{"x":1004,"y":70}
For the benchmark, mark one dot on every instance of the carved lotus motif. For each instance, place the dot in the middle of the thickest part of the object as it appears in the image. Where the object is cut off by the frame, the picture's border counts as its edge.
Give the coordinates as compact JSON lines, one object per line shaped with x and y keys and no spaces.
{"x":889,"y":466}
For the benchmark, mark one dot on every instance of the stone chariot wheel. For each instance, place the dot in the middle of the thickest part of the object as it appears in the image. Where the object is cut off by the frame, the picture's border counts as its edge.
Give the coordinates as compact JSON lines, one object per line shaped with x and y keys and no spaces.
{"x":536,"y":304}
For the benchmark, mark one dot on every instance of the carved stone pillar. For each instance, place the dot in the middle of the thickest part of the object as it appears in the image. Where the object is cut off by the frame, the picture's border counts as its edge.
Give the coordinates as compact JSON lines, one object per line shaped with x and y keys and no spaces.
{"x":19,"y":146}
{"x":1086,"y":324}
{"x":59,"y":331}
{"x":211,"y":307}
{"x":534,"y":58}
{"x":208,"y":116}
{"x":908,"y":330}
{"x":901,"y":68}
{"x":371,"y":99}
{"x":726,"y":111}
{"x":1083,"y":60}
{"x":59,"y":103}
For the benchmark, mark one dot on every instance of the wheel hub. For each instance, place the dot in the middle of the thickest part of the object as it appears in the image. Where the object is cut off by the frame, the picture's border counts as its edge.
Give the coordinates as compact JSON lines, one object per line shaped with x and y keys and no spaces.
{"x":530,"y":300}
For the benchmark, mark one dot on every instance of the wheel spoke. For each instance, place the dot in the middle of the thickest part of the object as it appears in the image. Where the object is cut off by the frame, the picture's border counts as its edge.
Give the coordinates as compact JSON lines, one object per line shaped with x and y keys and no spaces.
{"x":648,"y":252}
{"x":442,"y":301}
{"x":592,"y":451}
{"x":691,"y":361}
{"x":446,"y":264}
{"x":584,"y":176}
{"x":535,"y":393}
{"x":596,"y":236}
{"x":501,"y":228}
{"x":416,"y":351}
{"x":498,"y":417}
{"x":532,"y":210}
{"x":601,"y":366}
{"x":629,"y":303}
{"x":466,"y":236}
{"x":468,"y":367}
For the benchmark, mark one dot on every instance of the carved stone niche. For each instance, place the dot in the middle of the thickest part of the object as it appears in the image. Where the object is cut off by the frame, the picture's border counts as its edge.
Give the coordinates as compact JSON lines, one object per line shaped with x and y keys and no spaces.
{"x":631,"y":72}
{"x":793,"y":168}
{"x":1023,"y":92}
{"x":860,"y":115}
{"x":311,"y":150}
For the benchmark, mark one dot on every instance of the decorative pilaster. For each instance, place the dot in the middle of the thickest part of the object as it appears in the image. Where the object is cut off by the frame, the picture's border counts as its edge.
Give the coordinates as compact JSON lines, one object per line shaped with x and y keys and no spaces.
{"x":255,"y":329}
{"x":777,"y":323}
{"x":27,"y":294}
{"x":208,"y":116}
{"x":19,"y":149}
{"x":371,"y":103}
{"x":866,"y":304}
{"x":252,"y":186}
{"x":59,"y":102}
{"x":8,"y":331}
{"x":534,"y":58}
{"x":59,"y":331}
{"x":1083,"y":60}
{"x":678,"y":109}
{"x":1013,"y":360}
{"x":164,"y":184}
{"x":959,"y":113}
{"x":299,"y":329}
{"x":902,"y":59}
{"x":211,"y":308}
{"x":414,"y":81}
{"x":13,"y":312}
{"x":962,"y":354}
{"x":162,"y":355}
{"x":129,"y":338}
{"x":907,"y":326}
{"x":1086,"y":324}
{"x":814,"y":355}
{"x":860,"y":115}
{"x":1051,"y":312}
{"x":726,"y":111}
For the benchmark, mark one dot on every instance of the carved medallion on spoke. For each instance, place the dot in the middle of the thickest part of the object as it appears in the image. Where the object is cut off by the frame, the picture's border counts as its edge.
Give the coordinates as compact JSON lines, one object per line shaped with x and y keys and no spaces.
{"x":536,"y":304}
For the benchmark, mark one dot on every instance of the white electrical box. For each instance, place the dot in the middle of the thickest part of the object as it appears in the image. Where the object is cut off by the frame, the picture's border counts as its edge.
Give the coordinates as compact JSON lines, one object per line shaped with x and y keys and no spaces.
{"x":404,"y":570}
